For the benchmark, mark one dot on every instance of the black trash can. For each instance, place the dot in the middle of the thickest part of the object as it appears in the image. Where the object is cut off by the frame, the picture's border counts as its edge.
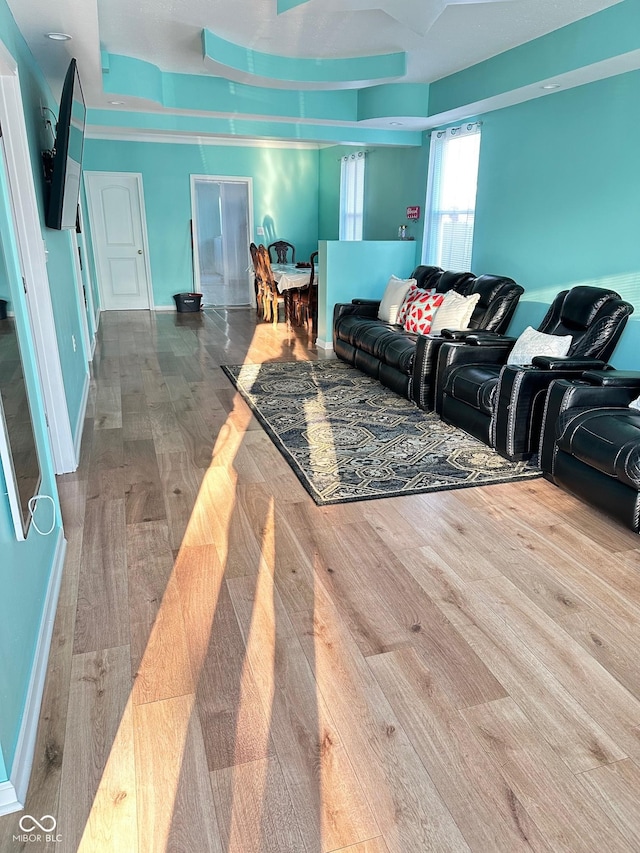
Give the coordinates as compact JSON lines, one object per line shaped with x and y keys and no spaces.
{"x":187,"y":303}
{"x":3,"y":309}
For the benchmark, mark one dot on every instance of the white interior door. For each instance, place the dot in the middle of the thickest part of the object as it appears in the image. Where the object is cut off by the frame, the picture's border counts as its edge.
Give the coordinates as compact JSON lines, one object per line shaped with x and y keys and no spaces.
{"x":118,"y":231}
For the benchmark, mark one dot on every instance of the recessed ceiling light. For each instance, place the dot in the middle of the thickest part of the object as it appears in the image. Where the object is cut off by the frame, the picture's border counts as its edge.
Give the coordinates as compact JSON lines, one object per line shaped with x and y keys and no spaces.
{"x":116,"y":103}
{"x":551,"y":86}
{"x":58,"y":36}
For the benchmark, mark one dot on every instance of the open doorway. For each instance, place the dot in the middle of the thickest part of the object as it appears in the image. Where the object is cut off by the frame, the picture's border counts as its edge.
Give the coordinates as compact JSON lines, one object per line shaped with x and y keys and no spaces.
{"x":221,"y":228}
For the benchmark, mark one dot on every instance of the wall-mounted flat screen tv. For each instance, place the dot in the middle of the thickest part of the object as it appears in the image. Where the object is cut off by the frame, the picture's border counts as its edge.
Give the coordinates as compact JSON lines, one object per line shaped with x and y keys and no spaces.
{"x":66,"y":164}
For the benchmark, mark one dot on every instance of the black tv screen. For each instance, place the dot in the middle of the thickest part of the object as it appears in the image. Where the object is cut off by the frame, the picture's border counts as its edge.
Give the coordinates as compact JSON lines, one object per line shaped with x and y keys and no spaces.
{"x":64,"y":192}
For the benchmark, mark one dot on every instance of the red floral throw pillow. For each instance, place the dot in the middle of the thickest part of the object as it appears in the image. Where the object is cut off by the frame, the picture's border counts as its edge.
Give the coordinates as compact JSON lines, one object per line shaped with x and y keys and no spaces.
{"x":421,"y":309}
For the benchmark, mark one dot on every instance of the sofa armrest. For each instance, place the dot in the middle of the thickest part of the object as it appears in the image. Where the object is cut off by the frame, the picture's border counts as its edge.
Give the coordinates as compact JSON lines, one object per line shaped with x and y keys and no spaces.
{"x":565,"y":395}
{"x":613,"y":378}
{"x":362,"y":309}
{"x":457,"y":334}
{"x":375,"y":302}
{"x":489,"y":339}
{"x":453,"y":354}
{"x":424,"y":370}
{"x":568,"y":363}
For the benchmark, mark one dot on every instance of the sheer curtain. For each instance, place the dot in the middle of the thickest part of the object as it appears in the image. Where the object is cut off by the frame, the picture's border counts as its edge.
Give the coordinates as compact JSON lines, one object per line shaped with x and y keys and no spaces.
{"x":221,"y":211}
{"x":352,"y":196}
{"x":451,"y":196}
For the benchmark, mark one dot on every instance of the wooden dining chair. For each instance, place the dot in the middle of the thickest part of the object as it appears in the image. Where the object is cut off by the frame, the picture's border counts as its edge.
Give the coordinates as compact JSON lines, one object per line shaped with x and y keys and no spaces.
{"x":306,"y":302}
{"x":262,"y":276}
{"x":255,"y":262}
{"x":279,"y":250}
{"x":271,"y":298}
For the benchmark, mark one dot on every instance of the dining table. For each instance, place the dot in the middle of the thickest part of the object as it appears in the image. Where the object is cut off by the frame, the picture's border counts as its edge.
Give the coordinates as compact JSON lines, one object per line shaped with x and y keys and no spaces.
{"x":290,"y":276}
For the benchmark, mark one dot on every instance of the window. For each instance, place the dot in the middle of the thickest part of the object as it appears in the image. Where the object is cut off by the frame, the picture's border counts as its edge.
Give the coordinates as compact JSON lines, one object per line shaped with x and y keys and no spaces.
{"x":352,"y":196}
{"x":451,"y":197}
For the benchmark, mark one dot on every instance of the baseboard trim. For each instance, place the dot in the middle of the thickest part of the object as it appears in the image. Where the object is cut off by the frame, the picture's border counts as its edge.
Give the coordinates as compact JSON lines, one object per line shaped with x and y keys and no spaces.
{"x":14,"y":792}
{"x":8,"y":800}
{"x":77,"y":438}
{"x":325,"y":345}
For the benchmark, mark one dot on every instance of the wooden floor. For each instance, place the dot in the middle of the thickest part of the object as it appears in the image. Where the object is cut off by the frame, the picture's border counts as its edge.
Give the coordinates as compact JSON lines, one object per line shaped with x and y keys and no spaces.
{"x":234,"y":669}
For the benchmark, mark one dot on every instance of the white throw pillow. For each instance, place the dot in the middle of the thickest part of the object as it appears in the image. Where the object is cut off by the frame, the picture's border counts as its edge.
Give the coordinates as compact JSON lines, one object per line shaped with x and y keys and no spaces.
{"x":635,"y":404}
{"x":455,"y":312}
{"x":532,"y":343}
{"x":393,"y":298}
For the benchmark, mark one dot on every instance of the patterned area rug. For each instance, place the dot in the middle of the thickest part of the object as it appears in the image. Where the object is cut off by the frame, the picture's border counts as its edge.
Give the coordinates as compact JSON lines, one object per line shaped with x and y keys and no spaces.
{"x":350,"y":439}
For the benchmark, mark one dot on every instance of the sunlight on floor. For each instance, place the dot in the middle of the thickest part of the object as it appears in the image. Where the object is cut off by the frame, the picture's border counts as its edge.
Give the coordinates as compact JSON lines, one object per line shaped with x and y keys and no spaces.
{"x":259,"y":664}
{"x":322,"y":457}
{"x":156,"y":736}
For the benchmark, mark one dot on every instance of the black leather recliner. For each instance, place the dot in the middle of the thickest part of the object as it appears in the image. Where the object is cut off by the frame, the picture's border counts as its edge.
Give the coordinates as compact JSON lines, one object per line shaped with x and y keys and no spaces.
{"x":590,"y":441}
{"x":403,"y":361}
{"x":502,"y":405}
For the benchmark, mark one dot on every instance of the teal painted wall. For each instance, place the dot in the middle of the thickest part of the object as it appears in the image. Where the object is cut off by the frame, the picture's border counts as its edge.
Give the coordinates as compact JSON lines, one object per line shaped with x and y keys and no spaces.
{"x":285,"y":197}
{"x":60,"y":264}
{"x":395,"y":178}
{"x":558,"y":201}
{"x":25,"y":567}
{"x":609,"y":33}
{"x":349,"y":269}
{"x":329,"y":198}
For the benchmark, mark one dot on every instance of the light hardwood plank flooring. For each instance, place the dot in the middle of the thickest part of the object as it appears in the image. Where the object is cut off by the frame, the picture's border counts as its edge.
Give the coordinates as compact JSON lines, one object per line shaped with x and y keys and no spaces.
{"x":234,"y":669}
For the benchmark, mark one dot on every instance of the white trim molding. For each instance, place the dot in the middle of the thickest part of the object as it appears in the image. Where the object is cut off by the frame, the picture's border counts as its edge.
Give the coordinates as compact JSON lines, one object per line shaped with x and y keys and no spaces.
{"x":121,"y":134}
{"x":325,"y":345}
{"x":82,"y":413}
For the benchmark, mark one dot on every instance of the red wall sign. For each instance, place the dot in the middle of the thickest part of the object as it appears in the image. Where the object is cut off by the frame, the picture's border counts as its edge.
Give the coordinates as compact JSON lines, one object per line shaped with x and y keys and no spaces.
{"x":413,"y":212}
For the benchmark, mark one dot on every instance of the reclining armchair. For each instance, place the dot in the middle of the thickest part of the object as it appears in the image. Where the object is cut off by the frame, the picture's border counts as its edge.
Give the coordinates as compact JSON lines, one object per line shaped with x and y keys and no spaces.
{"x":590,"y":441}
{"x":501,"y":404}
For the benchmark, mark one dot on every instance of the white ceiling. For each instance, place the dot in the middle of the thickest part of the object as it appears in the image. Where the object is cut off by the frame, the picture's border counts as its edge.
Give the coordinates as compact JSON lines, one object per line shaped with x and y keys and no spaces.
{"x":438,"y":36}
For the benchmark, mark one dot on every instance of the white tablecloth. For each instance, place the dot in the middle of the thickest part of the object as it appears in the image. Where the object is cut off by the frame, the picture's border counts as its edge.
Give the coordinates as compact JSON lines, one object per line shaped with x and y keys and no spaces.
{"x":288,"y":276}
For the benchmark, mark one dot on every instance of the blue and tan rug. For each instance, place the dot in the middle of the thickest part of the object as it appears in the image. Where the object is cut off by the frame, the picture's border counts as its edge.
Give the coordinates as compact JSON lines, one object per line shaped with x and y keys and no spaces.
{"x":350,"y":439}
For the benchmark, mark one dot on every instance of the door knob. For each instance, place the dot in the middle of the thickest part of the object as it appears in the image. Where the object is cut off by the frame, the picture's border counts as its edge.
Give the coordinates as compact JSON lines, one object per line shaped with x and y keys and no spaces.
{"x":139,"y":251}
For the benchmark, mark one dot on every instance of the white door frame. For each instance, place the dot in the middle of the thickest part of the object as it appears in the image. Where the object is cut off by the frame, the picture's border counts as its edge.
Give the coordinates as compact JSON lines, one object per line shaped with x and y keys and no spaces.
{"x":85,"y":274}
{"x":82,"y":308}
{"x":92,"y":274}
{"x":32,"y":250}
{"x":225,"y":179}
{"x":143,"y":224}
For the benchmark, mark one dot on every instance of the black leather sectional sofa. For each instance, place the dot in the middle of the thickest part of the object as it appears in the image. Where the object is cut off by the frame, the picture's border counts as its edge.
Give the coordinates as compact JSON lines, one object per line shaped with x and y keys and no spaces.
{"x":403,"y":361}
{"x":589,"y":440}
